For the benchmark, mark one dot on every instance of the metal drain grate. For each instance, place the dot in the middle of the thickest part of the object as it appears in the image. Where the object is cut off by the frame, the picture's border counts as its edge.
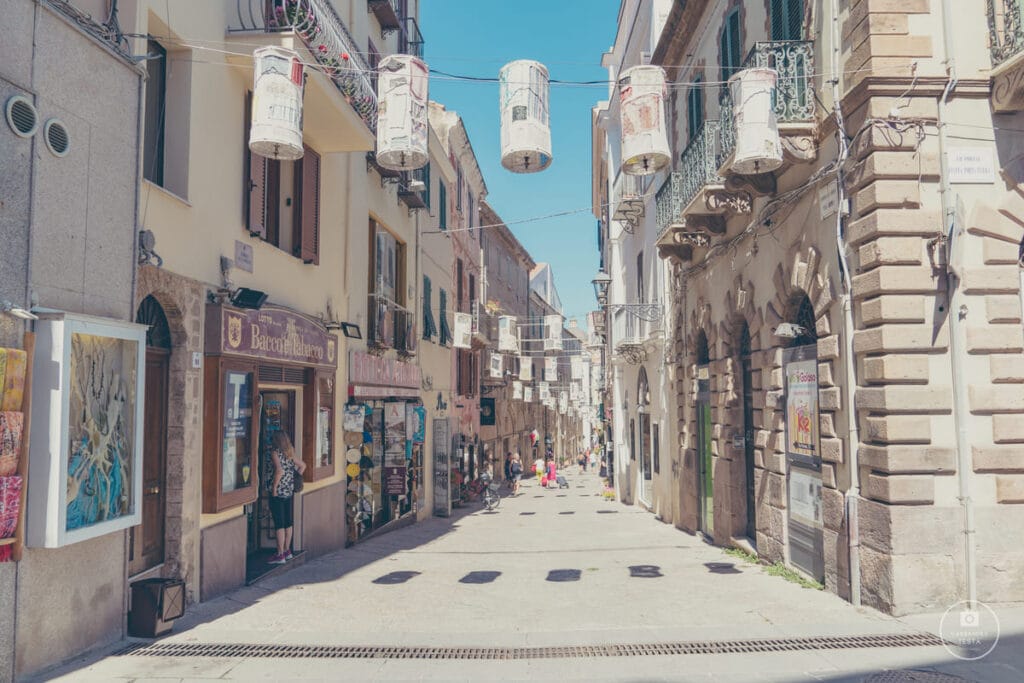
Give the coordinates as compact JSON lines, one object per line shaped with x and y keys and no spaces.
{"x":913,"y":676}
{"x":509,"y":653}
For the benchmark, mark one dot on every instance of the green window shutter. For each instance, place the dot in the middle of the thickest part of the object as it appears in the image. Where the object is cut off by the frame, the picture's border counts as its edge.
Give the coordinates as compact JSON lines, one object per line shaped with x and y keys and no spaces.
{"x":694,"y":109}
{"x":426,"y":181}
{"x":442,"y":205}
{"x":446,"y":334}
{"x":429,"y":327}
{"x":787,"y":19}
{"x":730,"y":48}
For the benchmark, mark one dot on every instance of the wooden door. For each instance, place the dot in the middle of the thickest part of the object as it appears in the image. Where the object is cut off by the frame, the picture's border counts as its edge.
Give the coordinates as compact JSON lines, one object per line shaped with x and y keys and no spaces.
{"x":147,"y":540}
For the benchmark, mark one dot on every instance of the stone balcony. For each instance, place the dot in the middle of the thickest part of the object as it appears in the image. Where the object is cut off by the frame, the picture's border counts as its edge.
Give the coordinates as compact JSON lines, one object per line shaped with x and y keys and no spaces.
{"x":1006,"y":43}
{"x":628,"y":200}
{"x":696,"y":201}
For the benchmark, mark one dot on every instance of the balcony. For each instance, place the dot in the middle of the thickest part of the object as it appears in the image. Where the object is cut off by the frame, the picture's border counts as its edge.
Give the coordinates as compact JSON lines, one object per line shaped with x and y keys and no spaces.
{"x":411,"y":42}
{"x":390,"y":326}
{"x":414,"y":188}
{"x":794,"y":102}
{"x":388,"y":14}
{"x":480,"y":337}
{"x":628,"y":338}
{"x":340,"y":105}
{"x":1006,"y":43}
{"x":628,"y":200}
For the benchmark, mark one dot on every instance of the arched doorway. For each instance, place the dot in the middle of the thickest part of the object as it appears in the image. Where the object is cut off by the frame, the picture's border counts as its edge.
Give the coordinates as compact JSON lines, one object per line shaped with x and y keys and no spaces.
{"x":705,"y":472}
{"x":643,"y":401}
{"x":146,"y":548}
{"x":803,"y":447}
{"x":746,"y":372}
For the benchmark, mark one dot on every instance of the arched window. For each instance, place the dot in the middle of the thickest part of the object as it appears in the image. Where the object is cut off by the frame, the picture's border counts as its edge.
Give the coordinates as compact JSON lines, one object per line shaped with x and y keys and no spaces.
{"x":703,"y":355}
{"x":152,"y":313}
{"x":801,"y":313}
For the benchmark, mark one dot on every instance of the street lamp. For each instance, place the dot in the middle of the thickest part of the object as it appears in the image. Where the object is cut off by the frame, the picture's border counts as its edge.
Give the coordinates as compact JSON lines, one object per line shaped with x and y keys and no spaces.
{"x":601,"y":283}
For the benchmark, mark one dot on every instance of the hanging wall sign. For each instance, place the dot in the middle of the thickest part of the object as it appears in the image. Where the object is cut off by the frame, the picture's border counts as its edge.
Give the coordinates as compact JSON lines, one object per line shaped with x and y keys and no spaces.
{"x":463,"y":330}
{"x":525,"y":369}
{"x":551,"y":369}
{"x":507,"y":334}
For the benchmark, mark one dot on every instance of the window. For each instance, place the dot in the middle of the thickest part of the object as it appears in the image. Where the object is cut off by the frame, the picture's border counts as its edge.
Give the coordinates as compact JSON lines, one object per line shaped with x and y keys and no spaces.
{"x":426,"y":183}
{"x":640,"y":278}
{"x":694,"y":108}
{"x":655,"y":439}
{"x":446,"y":332}
{"x":458,"y":188}
{"x":442,"y":203}
{"x":787,"y":19}
{"x":283,"y":206}
{"x":458,"y":284}
{"x":730,"y":45}
{"x":156,"y":103}
{"x":471,"y":220}
{"x":388,"y":266}
{"x":429,"y":328}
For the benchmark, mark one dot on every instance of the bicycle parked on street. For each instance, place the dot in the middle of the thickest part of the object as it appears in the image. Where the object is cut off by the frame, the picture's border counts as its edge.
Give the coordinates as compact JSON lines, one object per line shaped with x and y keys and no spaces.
{"x":487,"y":491}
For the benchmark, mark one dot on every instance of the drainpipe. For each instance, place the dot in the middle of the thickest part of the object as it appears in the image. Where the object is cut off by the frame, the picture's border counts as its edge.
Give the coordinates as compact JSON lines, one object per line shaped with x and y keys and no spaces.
{"x":958,"y":311}
{"x":852,"y":496}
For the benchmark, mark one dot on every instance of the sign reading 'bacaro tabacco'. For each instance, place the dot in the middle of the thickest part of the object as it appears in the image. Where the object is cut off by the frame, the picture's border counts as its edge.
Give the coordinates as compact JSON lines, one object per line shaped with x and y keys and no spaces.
{"x":272,"y":333}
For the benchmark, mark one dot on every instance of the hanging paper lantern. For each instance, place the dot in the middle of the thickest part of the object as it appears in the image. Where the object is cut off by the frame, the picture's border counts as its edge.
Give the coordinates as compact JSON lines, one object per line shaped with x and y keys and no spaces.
{"x":525,"y":118}
{"x":645,"y":147}
{"x":402,"y":113}
{"x":276,"y":129}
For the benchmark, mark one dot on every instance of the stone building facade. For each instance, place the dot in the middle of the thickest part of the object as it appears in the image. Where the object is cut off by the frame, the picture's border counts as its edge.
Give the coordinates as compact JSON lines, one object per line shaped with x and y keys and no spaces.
{"x":882,"y":264}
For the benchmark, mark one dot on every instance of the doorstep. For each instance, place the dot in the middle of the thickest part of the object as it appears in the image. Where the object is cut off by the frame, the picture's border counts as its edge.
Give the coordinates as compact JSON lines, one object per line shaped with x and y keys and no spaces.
{"x":257,"y":568}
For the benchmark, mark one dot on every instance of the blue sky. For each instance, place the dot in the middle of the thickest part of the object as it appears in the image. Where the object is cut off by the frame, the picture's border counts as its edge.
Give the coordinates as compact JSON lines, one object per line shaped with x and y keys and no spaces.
{"x":475,"y":38}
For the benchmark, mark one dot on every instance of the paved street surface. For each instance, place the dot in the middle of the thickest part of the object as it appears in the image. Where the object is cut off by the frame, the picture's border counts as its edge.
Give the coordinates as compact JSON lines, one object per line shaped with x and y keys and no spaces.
{"x":548,"y":569}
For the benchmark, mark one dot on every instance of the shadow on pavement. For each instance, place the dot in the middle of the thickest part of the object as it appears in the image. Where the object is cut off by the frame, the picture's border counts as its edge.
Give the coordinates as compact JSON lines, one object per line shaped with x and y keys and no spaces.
{"x":645,"y":571}
{"x":722,"y":568}
{"x":396,"y":577}
{"x":480,"y":577}
{"x":558,"y":575}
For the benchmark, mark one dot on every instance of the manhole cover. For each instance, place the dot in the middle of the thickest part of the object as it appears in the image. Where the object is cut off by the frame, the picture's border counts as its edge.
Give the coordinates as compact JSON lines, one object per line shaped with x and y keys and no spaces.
{"x":913,"y":676}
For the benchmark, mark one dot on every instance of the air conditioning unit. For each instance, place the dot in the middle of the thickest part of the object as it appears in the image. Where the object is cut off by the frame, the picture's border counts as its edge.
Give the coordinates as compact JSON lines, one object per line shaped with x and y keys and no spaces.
{"x":758,"y":148}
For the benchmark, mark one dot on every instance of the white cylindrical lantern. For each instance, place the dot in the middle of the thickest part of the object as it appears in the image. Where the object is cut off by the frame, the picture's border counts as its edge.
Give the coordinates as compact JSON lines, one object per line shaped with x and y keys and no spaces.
{"x":645,"y":147}
{"x":276,"y":128}
{"x":758,"y":148}
{"x":525,"y":118}
{"x":402,"y":113}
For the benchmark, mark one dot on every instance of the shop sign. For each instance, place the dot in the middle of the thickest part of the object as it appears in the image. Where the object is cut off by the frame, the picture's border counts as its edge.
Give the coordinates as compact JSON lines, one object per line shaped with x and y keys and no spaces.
{"x":369,"y":369}
{"x":395,"y":481}
{"x":272,"y":333}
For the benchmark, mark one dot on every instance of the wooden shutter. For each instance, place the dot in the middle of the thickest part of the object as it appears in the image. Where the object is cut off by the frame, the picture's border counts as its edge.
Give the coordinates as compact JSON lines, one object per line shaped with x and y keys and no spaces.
{"x":442,"y":204}
{"x":443,"y":316}
{"x":729,"y":45}
{"x":255,"y":190}
{"x":426,"y":181}
{"x":694,"y":109}
{"x":787,"y":18}
{"x":429,"y":328}
{"x":309,"y":208}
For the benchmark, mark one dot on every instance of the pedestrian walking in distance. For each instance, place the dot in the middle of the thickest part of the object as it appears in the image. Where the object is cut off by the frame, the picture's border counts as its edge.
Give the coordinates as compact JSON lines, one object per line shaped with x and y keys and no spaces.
{"x":282,"y":505}
{"x":516,"y":469}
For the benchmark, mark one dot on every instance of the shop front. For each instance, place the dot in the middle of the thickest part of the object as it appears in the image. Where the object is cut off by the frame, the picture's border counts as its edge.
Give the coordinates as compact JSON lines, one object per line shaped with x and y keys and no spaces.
{"x":267,"y":371}
{"x":385,"y":430}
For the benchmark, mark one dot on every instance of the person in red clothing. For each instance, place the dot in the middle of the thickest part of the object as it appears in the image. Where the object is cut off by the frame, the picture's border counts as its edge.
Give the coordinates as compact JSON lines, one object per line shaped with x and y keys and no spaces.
{"x":552,"y":472}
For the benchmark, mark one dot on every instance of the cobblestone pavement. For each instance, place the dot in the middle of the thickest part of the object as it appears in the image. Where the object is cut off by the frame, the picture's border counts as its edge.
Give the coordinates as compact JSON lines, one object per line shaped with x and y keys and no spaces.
{"x":548,"y":569}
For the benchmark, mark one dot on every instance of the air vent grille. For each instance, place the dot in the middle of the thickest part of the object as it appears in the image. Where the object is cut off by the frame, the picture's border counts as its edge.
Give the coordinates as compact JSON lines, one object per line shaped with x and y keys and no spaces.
{"x":277,"y":374}
{"x":57,"y":138}
{"x":22,"y":116}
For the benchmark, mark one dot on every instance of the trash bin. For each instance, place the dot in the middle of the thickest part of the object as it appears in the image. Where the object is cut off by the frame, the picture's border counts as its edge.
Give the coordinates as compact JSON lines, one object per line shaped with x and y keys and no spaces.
{"x":156,"y":603}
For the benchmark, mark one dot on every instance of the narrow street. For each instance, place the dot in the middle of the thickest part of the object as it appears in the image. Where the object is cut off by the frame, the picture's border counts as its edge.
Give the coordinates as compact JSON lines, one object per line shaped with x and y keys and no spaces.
{"x":548,"y":569}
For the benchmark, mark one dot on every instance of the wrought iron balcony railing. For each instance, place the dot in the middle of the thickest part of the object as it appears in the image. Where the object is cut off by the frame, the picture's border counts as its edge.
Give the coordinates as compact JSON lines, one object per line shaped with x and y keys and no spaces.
{"x":627,"y":197}
{"x":794,"y":91}
{"x":327,"y":39}
{"x":1006,"y":34}
{"x":390,"y":326}
{"x":667,"y":202}
{"x":698,"y":165}
{"x":411,"y":42}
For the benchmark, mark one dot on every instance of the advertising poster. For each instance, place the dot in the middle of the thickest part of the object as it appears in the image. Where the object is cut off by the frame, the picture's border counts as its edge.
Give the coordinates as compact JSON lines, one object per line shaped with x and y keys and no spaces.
{"x":801,"y":385}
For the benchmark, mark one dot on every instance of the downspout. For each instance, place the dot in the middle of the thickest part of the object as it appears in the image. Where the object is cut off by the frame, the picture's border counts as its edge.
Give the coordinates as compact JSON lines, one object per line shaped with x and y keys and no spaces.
{"x":852,"y":496}
{"x":958,"y":311}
